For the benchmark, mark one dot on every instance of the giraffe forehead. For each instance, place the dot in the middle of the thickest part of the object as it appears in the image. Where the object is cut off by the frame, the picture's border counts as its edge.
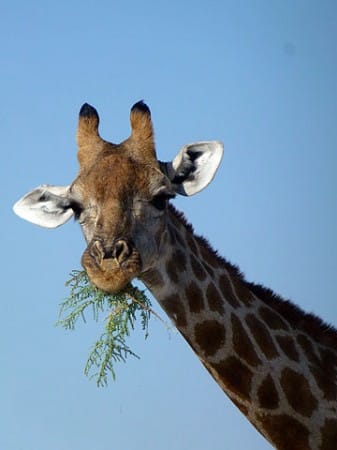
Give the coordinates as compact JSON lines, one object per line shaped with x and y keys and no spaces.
{"x":116,"y":174}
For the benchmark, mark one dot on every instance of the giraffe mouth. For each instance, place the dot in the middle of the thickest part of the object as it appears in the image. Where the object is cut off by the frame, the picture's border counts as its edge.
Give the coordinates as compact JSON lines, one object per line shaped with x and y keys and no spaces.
{"x":111,"y":270}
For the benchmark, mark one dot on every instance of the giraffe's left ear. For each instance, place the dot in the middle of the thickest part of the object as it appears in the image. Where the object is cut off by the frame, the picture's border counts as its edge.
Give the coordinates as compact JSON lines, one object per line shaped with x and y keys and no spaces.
{"x":194,"y":166}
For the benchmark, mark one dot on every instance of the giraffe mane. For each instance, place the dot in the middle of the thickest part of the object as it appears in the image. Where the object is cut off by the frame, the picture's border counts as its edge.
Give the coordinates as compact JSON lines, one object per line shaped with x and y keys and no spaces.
{"x":301,"y":320}
{"x":309,"y":323}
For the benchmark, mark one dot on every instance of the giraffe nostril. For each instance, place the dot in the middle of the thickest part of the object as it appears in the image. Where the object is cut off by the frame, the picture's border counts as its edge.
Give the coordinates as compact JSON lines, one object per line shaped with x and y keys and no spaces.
{"x":122,"y":250}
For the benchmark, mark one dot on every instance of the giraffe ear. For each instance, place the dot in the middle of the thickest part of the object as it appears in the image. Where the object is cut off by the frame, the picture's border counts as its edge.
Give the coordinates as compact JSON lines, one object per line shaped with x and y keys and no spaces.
{"x":47,"y":206}
{"x":194,"y":166}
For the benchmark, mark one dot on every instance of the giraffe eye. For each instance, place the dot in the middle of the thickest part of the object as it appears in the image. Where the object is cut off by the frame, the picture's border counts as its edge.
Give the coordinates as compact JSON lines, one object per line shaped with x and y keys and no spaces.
{"x":160,"y":201}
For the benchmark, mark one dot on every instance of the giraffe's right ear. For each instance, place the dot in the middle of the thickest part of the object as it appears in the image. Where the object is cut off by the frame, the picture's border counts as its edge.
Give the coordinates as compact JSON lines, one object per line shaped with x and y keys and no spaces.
{"x":194,"y":166}
{"x":47,"y":206}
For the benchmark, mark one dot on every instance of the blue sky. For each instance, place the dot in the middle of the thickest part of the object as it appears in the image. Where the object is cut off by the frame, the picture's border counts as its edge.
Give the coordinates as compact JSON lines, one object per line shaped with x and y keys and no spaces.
{"x":262,"y":77}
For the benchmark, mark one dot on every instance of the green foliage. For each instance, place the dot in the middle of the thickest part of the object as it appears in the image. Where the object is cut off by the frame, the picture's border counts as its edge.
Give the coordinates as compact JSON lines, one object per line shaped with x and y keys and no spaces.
{"x":121,"y":311}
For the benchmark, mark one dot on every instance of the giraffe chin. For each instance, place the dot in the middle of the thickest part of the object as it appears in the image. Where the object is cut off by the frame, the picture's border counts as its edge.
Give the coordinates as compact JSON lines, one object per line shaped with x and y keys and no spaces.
{"x":108,"y":275}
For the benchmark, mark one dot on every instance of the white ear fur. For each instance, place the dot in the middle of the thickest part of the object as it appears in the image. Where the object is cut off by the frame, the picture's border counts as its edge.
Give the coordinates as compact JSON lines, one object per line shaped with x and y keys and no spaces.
{"x":47,"y":206}
{"x":195,"y":166}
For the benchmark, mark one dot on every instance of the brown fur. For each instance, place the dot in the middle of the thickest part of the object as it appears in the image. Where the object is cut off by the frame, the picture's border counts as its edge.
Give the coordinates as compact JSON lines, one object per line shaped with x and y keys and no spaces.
{"x":174,"y":308}
{"x":285,"y":432}
{"x":242,"y":344}
{"x":287,"y":345}
{"x":262,"y":336}
{"x":214,"y":299}
{"x":298,"y":392}
{"x":210,"y":336}
{"x":141,"y":141}
{"x":198,"y":270}
{"x":245,"y":334}
{"x":267,"y":394}
{"x":295,"y":316}
{"x":89,"y":142}
{"x":280,"y":330}
{"x":98,"y":186}
{"x":235,"y":376}
{"x":329,"y":435}
{"x":194,"y":297}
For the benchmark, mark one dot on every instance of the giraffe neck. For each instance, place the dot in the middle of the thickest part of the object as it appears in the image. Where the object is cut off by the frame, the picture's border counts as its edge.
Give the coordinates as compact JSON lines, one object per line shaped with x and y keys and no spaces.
{"x":277,"y":364}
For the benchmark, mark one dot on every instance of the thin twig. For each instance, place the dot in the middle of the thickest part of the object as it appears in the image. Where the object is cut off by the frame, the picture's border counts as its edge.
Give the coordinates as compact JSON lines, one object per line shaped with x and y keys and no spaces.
{"x":150,"y":310}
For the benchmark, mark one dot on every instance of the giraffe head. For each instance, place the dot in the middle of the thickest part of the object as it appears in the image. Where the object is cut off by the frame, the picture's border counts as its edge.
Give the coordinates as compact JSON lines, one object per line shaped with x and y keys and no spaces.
{"x":120,"y":196}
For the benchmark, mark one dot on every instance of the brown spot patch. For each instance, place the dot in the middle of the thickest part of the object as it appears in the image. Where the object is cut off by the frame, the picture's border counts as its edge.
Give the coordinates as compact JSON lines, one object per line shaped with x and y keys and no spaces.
{"x":175,"y":236}
{"x":242,"y":292}
{"x":318,"y":330}
{"x":272,"y":319}
{"x":175,"y":309}
{"x":180,"y":260}
{"x":329,"y":435}
{"x":179,"y":238}
{"x":165,"y":237}
{"x":241,"y":289}
{"x":154,"y":278}
{"x":298,"y":392}
{"x":195,"y":297}
{"x":208,"y":255}
{"x":235,"y":376}
{"x":227,"y":291}
{"x":308,"y":349}
{"x":214,"y":299}
{"x":172,"y":270}
{"x":209,"y":270}
{"x":172,"y":234}
{"x":210,"y":335}
{"x":288,"y":347}
{"x":285,"y":432}
{"x":191,"y":243}
{"x":242,"y":344}
{"x":198,"y":270}
{"x":262,"y":336}
{"x":329,"y":361}
{"x":325,"y":382}
{"x":267,"y":394}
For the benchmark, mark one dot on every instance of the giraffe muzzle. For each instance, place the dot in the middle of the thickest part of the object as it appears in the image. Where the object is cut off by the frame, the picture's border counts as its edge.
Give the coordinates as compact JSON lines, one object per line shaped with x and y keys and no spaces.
{"x":111,"y":268}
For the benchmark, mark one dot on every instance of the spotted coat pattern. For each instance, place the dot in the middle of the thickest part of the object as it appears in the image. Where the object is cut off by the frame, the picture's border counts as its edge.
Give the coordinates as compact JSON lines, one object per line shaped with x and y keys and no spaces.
{"x":276,"y":363}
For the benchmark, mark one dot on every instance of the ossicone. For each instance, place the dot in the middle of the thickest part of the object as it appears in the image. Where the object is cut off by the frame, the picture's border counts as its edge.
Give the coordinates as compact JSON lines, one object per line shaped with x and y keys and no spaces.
{"x":88,"y":111}
{"x":142,"y":130}
{"x":88,"y":139}
{"x":88,"y":119}
{"x":141,"y":107}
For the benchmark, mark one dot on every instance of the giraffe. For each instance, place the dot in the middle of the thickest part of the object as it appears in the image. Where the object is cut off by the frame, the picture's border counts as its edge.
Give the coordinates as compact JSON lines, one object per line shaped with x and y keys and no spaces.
{"x":276,"y":363}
